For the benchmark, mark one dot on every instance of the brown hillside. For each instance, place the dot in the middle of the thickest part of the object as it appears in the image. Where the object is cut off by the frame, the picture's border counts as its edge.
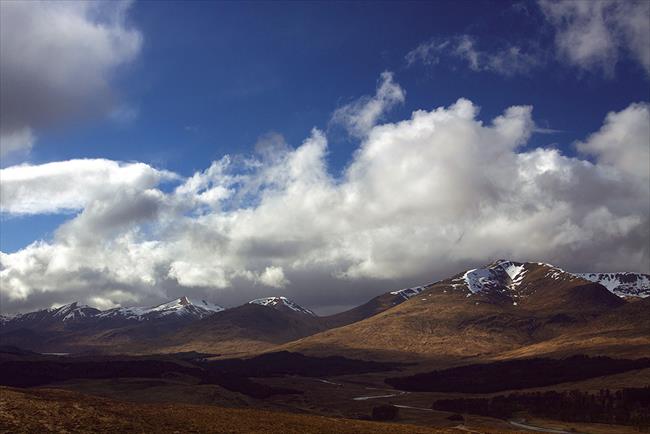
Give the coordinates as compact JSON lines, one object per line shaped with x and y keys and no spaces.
{"x":46,"y":410}
{"x":545,"y":307}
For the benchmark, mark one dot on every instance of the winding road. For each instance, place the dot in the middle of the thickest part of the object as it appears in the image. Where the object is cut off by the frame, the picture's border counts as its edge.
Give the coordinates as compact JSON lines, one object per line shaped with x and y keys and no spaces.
{"x":394,"y":393}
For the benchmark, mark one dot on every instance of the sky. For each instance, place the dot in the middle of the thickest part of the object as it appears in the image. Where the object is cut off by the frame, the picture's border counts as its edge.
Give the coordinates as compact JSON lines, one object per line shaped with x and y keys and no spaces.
{"x":327,"y":152}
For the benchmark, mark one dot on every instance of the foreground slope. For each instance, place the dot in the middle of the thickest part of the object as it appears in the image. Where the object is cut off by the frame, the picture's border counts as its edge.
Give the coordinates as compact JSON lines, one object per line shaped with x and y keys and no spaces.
{"x":27,"y":411}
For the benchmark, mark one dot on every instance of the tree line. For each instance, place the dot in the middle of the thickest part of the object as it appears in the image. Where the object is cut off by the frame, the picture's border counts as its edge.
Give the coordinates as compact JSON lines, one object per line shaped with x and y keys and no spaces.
{"x":629,"y":406}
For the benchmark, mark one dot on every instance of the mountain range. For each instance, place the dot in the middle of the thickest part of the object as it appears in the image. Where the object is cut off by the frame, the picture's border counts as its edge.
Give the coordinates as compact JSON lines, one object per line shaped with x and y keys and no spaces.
{"x":505,"y":307}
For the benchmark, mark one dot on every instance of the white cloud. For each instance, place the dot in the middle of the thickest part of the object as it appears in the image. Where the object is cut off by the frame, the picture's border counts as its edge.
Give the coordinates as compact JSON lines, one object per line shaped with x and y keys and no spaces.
{"x":58,"y":58}
{"x":594,"y":34}
{"x":361,"y":115}
{"x":508,"y":60}
{"x":623,"y":141}
{"x":71,"y":185}
{"x":193,"y":274}
{"x":421,"y":199}
{"x":274,"y":277}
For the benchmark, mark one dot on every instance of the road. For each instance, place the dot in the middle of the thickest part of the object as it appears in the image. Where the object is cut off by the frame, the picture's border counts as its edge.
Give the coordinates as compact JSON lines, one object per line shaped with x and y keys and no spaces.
{"x":538,"y":428}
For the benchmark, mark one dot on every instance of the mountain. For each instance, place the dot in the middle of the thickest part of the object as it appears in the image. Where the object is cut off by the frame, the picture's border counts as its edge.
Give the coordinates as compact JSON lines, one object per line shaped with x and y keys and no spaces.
{"x":481,"y":312}
{"x":181,"y":308}
{"x":536,"y":286}
{"x":252,"y":327}
{"x":52,"y":317}
{"x":173,"y":326}
{"x":504,"y":277}
{"x":75,"y":327}
{"x":508,"y":274}
{"x":282,"y":304}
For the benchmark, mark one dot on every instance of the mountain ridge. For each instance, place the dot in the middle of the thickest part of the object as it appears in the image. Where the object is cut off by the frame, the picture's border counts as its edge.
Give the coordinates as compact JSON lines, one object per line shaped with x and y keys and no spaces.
{"x":499,"y":307}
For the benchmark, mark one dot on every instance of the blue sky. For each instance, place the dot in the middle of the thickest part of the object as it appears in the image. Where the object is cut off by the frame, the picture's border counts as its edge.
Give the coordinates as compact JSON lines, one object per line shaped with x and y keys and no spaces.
{"x":201,"y":80}
{"x":213,"y":77}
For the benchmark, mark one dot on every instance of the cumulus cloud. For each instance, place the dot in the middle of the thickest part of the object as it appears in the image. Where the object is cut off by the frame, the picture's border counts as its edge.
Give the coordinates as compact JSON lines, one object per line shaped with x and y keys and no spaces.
{"x":508,"y":60}
{"x":623,"y":141}
{"x":58,"y":59}
{"x":421,"y":199}
{"x":361,"y":115}
{"x":594,"y":34}
{"x":274,"y":277}
{"x":71,"y":185}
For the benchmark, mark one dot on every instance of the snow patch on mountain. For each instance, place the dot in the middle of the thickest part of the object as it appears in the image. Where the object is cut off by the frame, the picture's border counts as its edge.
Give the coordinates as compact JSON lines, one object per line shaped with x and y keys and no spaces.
{"x":278,"y":302}
{"x":621,"y":284}
{"x":516,"y":271}
{"x":73,"y":311}
{"x":407,"y":293}
{"x":479,"y":279}
{"x":134,"y":313}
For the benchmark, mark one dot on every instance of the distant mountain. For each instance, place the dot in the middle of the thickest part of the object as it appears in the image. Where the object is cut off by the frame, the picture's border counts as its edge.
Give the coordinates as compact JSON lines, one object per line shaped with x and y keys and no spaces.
{"x":51,"y":317}
{"x":181,"y":308}
{"x":282,"y":304}
{"x":76,"y":327}
{"x":171,"y":326}
{"x":244,"y":329}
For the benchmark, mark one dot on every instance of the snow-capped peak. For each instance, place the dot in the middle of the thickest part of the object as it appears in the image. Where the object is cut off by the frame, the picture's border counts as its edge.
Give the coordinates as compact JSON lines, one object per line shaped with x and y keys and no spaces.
{"x":180,"y":307}
{"x":508,"y":276}
{"x":172,"y":306}
{"x":280,"y":302}
{"x":185,"y":306}
{"x":502,"y":276}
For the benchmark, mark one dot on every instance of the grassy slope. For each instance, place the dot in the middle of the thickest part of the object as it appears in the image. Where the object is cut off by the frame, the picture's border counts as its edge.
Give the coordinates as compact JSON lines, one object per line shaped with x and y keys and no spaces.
{"x":444,"y":324}
{"x":23,"y":411}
